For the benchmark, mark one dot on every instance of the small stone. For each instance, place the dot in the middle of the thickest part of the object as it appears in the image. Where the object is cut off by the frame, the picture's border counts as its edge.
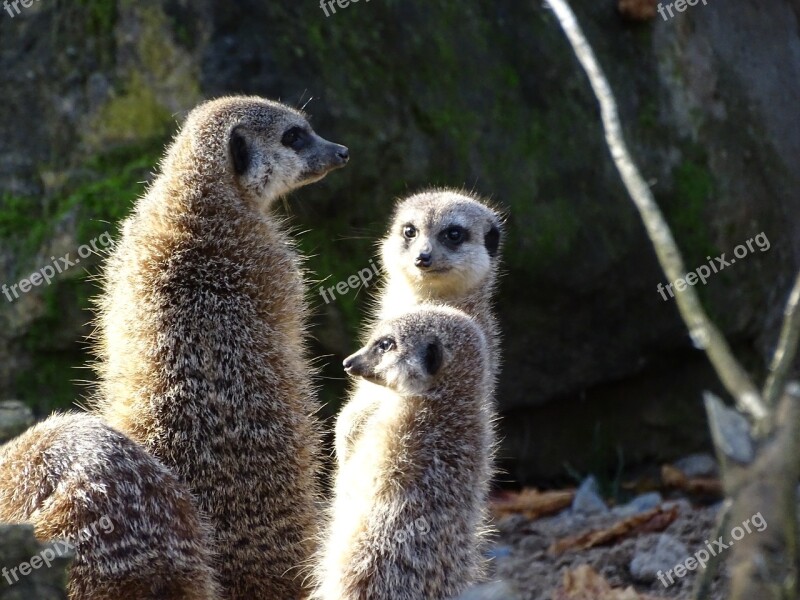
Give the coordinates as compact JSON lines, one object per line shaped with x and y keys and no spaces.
{"x":649,"y":559}
{"x":697,"y":465}
{"x":640,"y":504}
{"x":497,"y":590}
{"x":15,"y":418}
{"x":587,"y":499}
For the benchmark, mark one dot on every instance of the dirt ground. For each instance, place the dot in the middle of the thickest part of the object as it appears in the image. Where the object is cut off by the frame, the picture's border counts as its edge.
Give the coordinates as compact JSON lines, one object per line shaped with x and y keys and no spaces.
{"x":522,"y":558}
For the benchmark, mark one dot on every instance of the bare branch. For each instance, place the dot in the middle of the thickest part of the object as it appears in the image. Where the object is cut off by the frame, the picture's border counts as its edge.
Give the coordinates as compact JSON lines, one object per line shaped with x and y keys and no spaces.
{"x":704,"y":333}
{"x":786,"y":350}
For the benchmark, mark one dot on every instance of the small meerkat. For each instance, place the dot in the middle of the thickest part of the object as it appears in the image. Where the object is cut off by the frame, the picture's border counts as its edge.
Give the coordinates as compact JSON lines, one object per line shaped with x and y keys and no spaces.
{"x":443,"y":247}
{"x":201,"y":335}
{"x":132,"y":525}
{"x":424,"y":456}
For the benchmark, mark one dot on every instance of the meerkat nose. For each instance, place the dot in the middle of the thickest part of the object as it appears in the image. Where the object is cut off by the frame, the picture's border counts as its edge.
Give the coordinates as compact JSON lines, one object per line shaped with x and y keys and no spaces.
{"x":343,"y":153}
{"x":424,"y":260}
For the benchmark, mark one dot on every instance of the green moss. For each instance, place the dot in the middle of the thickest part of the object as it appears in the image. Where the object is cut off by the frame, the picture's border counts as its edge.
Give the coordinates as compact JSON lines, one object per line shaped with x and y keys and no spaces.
{"x":100,"y":16}
{"x":687,"y":216}
{"x":99,"y":201}
{"x":134,"y":115}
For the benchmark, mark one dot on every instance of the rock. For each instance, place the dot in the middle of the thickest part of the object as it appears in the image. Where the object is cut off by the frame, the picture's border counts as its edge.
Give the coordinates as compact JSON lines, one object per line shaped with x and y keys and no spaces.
{"x":587,"y":499}
{"x":698,"y":465}
{"x":18,"y":546}
{"x":649,"y":559}
{"x":639,"y":504}
{"x":15,"y":418}
{"x":498,"y":590}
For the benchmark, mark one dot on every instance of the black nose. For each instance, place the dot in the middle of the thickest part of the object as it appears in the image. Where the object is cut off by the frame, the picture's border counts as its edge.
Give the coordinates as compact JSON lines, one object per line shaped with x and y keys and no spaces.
{"x":343,"y":154}
{"x":424,"y":260}
{"x":348,"y":363}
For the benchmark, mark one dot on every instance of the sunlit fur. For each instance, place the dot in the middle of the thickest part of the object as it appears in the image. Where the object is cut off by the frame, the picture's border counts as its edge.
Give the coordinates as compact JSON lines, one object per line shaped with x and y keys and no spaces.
{"x":464,"y":277}
{"x":424,"y":455}
{"x":201,"y":339}
{"x":135,"y":528}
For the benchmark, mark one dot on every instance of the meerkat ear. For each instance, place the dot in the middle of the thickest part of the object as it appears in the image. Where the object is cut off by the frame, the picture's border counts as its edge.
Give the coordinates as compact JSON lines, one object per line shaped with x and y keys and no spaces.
{"x":492,"y":240}
{"x":433,"y":358}
{"x":240,"y":153}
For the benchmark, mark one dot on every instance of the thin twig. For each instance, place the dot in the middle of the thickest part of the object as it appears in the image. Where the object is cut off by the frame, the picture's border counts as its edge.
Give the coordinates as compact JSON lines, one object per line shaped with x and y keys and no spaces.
{"x":702,"y":585}
{"x":704,"y":333}
{"x":787,"y":348}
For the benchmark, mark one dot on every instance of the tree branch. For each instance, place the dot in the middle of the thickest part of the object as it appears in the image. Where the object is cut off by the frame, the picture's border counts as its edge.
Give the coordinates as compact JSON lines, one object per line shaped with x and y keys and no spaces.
{"x":704,"y":333}
{"x":787,"y":348}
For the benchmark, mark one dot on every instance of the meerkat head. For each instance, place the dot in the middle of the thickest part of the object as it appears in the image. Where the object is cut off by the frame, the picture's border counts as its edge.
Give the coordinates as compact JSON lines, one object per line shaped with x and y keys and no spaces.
{"x":266,"y":147}
{"x":415,"y":352}
{"x":444,"y":243}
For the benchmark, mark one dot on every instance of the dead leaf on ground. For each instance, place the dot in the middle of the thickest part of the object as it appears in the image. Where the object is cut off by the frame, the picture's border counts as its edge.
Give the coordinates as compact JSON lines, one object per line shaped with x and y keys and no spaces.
{"x":638,"y":10}
{"x":657,"y":519}
{"x":584,"y":583}
{"x":672,"y":477}
{"x":532,"y":503}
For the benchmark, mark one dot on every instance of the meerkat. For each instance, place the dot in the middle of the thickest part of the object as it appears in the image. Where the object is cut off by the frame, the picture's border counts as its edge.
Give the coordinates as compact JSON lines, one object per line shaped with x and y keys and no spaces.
{"x":201,"y":335}
{"x":443,"y":247}
{"x":133,"y":527}
{"x":424,"y":456}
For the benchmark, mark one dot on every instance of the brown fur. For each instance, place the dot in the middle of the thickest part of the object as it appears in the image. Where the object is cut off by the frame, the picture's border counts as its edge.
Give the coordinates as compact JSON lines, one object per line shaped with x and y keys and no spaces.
{"x":73,"y":474}
{"x":202,"y":337}
{"x":423,"y":458}
{"x":468,"y":284}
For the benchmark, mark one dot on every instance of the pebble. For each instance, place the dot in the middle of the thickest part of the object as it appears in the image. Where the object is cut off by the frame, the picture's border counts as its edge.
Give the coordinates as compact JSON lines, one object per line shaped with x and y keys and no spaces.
{"x":650,"y":559}
{"x":587,"y":499}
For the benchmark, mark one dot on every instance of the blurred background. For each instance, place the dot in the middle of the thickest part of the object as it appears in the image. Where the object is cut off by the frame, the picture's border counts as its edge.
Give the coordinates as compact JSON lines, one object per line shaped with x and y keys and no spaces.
{"x":599,"y":373}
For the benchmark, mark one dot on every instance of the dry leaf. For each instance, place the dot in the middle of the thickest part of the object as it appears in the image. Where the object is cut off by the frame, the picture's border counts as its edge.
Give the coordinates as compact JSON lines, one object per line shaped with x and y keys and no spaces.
{"x":584,"y":583}
{"x":657,"y":519}
{"x":673,"y":477}
{"x":532,"y":503}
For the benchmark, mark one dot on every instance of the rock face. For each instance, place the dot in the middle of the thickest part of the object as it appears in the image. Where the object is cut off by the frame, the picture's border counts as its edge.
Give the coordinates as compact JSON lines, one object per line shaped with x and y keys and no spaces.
{"x":30,"y":569}
{"x":438,"y":93}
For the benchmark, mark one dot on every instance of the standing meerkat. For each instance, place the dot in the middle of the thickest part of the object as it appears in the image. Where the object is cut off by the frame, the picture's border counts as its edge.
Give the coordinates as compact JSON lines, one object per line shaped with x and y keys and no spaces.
{"x":201,"y":335}
{"x":132,"y":525}
{"x":424,"y":456}
{"x":443,"y":247}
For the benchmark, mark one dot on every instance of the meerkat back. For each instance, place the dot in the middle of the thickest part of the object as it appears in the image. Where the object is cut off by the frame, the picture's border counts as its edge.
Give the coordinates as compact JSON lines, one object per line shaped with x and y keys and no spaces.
{"x":133,"y":527}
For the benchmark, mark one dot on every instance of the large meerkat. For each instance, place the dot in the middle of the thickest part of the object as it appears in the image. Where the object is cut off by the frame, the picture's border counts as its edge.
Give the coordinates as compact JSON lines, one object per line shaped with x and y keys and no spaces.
{"x":202,"y":335}
{"x":424,"y":456}
{"x":133,"y":526}
{"x":443,"y":247}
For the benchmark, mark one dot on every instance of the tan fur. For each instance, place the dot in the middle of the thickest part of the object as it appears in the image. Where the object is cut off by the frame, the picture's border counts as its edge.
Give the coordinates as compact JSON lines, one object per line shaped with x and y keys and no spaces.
{"x":423,"y":457}
{"x":202,"y":336}
{"x":134,"y":526}
{"x":468,"y":283}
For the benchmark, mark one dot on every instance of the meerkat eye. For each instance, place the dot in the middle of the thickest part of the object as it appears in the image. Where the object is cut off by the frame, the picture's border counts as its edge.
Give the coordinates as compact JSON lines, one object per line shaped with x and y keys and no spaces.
{"x":295,"y":138}
{"x":409,"y":231}
{"x":386,"y":344}
{"x":455,"y":234}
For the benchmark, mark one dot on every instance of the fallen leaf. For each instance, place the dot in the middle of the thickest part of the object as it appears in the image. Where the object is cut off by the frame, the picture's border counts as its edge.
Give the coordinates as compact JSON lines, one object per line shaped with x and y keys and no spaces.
{"x":674,"y":478}
{"x":584,"y":583}
{"x":657,"y":519}
{"x":638,"y":10}
{"x":532,"y":503}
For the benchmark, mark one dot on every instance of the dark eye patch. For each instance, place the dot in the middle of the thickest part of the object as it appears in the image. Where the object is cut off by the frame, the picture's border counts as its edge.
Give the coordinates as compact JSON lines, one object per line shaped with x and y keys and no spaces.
{"x":296,"y":138}
{"x":453,"y":236}
{"x":385,"y":345}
